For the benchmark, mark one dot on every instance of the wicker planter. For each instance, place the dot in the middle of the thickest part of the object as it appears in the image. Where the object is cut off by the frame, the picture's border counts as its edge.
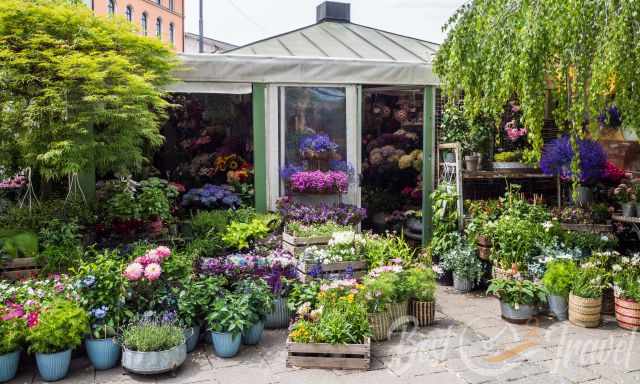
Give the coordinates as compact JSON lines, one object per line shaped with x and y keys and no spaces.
{"x":608,"y":302}
{"x":380,"y":324}
{"x":423,"y":311}
{"x":399,"y":310}
{"x":585,"y":312}
{"x":628,"y":314}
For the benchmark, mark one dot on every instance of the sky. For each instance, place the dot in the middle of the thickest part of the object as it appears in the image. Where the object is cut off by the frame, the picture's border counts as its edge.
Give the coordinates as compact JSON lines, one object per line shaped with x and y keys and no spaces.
{"x":241,"y":22}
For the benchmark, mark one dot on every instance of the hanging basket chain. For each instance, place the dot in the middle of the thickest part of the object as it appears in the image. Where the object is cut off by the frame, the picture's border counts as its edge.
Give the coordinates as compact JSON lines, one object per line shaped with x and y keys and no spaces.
{"x":30,"y":194}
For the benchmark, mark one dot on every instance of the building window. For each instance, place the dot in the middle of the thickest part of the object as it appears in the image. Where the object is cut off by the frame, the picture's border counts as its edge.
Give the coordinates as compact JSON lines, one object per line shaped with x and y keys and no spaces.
{"x":129,"y":13}
{"x":171,"y":6}
{"x":143,"y":23}
{"x":111,"y":7}
{"x":172,"y":32}
{"x":159,"y":28}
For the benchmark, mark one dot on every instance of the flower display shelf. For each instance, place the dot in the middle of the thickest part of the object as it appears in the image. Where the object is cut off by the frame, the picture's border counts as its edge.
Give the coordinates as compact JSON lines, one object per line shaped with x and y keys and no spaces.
{"x":357,"y":269}
{"x":329,"y":356}
{"x":296,"y":245}
{"x":20,"y":268}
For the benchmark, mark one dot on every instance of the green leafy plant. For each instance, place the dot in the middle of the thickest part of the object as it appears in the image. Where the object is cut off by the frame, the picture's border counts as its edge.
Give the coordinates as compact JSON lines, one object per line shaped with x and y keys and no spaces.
{"x":588,"y":281}
{"x":464,"y":263}
{"x":297,"y":229}
{"x":421,"y":283}
{"x":206,"y":223}
{"x":301,"y":293}
{"x":379,"y":250}
{"x":13,"y":332}
{"x":508,"y":157}
{"x":378,"y":292}
{"x":61,"y":325}
{"x":230,"y":314}
{"x":626,"y":278}
{"x":196,"y":296}
{"x":238,"y":235}
{"x":558,"y":277}
{"x":19,"y":244}
{"x":152,"y":336}
{"x":260,"y":297}
{"x":517,"y":292}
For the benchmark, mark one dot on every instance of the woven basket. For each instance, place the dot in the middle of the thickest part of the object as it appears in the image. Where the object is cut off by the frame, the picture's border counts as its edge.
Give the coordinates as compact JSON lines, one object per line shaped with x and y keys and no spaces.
{"x":585,"y":312}
{"x":628,"y":314}
{"x":398,"y":310}
{"x":423,"y":311}
{"x":380,"y":324}
{"x":608,"y":302}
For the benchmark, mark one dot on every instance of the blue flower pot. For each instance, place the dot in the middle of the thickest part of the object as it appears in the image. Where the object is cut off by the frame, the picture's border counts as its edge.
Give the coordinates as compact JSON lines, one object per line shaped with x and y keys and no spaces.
{"x":279,"y":318}
{"x":192,"y":335}
{"x":9,"y":366}
{"x":53,"y":366}
{"x":225,"y":344}
{"x":103,"y":353}
{"x":253,"y":335}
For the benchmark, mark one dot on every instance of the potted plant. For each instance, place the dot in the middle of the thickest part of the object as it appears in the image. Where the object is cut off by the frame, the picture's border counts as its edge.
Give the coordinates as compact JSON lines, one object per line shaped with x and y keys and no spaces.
{"x":60,"y":327}
{"x":228,"y":318}
{"x":585,"y":299}
{"x":102,"y":286}
{"x":518,"y":298}
{"x":378,"y":290}
{"x":557,"y":281}
{"x":152,"y":346}
{"x":466,"y":267}
{"x":260,"y":304}
{"x":13,"y":330}
{"x":625,"y":195}
{"x":626,"y":282}
{"x":421,"y":285}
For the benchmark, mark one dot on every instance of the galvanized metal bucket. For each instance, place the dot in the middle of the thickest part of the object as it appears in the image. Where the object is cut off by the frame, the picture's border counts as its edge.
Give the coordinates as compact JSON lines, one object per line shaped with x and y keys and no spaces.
{"x":462,"y":285}
{"x":523,"y":313}
{"x":150,"y":363}
{"x":279,"y":318}
{"x":559,"y":307}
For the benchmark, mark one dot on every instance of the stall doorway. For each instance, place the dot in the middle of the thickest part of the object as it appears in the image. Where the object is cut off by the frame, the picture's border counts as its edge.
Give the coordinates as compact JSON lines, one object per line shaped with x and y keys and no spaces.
{"x":391,"y":155}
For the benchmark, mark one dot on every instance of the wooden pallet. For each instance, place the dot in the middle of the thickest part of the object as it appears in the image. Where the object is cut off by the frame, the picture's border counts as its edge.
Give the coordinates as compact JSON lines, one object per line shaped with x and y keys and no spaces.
{"x":20,"y":268}
{"x":329,"y":356}
{"x":297,"y":245}
{"x":358,"y":268}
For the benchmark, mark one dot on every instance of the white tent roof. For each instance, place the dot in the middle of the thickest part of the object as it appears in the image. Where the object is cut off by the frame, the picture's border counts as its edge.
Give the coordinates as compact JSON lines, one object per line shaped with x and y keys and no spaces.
{"x":324,"y":53}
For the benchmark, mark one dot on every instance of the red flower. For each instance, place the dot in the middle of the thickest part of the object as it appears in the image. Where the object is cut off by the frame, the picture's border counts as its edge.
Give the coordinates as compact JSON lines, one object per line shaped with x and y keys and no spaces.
{"x":613,"y":173}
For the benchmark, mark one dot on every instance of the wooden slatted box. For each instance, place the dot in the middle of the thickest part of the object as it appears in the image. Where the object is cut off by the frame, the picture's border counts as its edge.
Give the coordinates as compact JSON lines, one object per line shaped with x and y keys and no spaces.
{"x":329,"y":356}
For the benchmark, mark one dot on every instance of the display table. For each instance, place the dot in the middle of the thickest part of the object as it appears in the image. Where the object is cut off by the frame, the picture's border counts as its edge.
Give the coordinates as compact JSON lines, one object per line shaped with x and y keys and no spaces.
{"x":633,"y":221}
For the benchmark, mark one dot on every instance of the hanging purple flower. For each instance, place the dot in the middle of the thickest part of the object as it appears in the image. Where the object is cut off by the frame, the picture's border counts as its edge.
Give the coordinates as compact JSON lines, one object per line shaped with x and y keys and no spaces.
{"x":558,"y":155}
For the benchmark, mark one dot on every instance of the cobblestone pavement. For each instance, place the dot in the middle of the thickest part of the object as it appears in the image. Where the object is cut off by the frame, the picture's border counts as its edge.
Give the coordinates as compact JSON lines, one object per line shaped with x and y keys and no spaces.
{"x":470,"y":344}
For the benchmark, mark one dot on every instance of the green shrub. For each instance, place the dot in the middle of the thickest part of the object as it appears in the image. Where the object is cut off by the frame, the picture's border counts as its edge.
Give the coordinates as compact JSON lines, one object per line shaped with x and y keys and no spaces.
{"x":558,"y":277}
{"x":463,"y":262}
{"x":260,"y":297}
{"x":315,"y":230}
{"x":196,"y":295}
{"x":208,"y":223}
{"x":517,"y":292}
{"x":588,"y":281}
{"x":61,"y":325}
{"x":421,"y":283}
{"x":378,"y":292}
{"x":12,"y":333}
{"x":150,"y":336}
{"x":230,"y":314}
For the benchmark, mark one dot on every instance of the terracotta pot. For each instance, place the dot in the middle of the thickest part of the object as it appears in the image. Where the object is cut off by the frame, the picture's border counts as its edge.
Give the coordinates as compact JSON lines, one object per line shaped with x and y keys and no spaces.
{"x":608,"y":302}
{"x":380,"y":324}
{"x":585,"y":312}
{"x":423,"y":311}
{"x":628,"y":314}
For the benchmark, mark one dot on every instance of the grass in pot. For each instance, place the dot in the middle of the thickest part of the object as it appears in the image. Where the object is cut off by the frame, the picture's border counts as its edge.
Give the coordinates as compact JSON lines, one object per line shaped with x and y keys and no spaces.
{"x":557,"y":280}
{"x":152,"y":346}
{"x":466,"y":267}
{"x":228,"y":318}
{"x":585,"y":299}
{"x":518,"y":298}
{"x":626,"y":282}
{"x":421,"y":286}
{"x":60,"y":327}
{"x":13,"y":331}
{"x":261,"y":303}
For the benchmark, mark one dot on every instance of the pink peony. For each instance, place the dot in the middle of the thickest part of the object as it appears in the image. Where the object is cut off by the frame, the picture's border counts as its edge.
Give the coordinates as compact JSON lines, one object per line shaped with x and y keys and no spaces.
{"x":134,"y":271}
{"x":142,"y":260}
{"x":163,"y":251}
{"x":152,"y":271}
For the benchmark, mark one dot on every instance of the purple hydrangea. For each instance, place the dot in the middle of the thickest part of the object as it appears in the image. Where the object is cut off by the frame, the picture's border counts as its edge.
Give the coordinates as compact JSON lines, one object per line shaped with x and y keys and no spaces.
{"x":290,"y":170}
{"x":318,"y":143}
{"x":558,"y":155}
{"x":212,"y":196}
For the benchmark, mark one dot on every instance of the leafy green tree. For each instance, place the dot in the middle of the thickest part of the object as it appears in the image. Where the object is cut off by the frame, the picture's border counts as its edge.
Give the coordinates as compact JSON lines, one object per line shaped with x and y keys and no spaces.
{"x":77,"y":90}
{"x":584,"y":53}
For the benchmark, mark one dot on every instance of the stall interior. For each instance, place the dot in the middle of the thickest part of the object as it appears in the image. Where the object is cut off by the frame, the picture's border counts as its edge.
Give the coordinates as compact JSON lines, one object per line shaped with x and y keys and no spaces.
{"x":392,"y":159}
{"x":209,"y":145}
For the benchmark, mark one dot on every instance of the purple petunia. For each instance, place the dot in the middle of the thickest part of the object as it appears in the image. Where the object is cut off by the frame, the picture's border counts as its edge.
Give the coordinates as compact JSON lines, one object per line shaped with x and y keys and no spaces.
{"x":319,"y":182}
{"x":342,"y":214}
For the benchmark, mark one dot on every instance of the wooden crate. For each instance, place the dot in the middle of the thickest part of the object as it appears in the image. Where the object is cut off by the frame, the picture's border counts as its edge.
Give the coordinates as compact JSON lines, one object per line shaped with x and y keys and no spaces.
{"x":329,"y":356}
{"x":359,"y":269}
{"x":20,"y":268}
{"x":297,"y":245}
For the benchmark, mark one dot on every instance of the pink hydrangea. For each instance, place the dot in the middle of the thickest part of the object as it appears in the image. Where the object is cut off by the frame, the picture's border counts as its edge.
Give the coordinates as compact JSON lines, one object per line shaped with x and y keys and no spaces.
{"x":152,"y":271}
{"x":134,"y":271}
{"x":163,"y":251}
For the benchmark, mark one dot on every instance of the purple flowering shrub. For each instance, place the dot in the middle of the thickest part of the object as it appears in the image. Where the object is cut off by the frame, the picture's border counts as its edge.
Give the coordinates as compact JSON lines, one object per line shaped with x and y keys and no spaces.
{"x":558,"y":154}
{"x":211,"y":196}
{"x":319,"y":182}
{"x":342,"y":214}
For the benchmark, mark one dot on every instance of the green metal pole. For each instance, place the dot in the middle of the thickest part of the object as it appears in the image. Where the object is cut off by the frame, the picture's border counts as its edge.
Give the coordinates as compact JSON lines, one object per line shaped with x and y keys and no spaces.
{"x":260,"y":147}
{"x":428,"y":143}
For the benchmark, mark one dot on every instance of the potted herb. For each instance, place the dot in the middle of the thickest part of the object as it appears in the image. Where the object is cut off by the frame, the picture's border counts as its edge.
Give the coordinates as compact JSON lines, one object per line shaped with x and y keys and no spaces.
{"x":228,"y":318}
{"x":151,"y":346}
{"x":585,"y":299}
{"x":466,"y":267}
{"x":626,"y":282}
{"x":260,"y":304}
{"x":518,"y":298}
{"x":557,"y":280}
{"x":13,"y":330}
{"x":102,"y":287}
{"x":60,"y":327}
{"x":421,"y":285}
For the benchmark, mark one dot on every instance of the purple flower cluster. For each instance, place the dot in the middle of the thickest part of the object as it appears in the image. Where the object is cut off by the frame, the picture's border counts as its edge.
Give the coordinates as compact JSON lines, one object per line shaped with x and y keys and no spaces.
{"x":212,"y":196}
{"x":290,"y":170}
{"x":317,"y":144}
{"x":558,"y":154}
{"x":343,"y":214}
{"x":611,"y":117}
{"x":319,"y":182}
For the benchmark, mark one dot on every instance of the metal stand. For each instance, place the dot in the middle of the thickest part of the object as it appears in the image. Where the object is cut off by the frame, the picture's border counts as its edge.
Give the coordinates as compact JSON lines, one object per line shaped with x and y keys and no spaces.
{"x":450,"y":173}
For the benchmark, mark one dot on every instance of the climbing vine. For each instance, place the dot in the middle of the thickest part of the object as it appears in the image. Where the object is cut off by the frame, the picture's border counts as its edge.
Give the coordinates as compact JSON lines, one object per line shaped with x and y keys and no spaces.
{"x":584,"y":53}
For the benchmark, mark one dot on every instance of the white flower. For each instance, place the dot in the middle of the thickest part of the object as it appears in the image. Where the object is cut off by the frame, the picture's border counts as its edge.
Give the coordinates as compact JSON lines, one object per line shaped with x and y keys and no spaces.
{"x":616,"y":268}
{"x":547,"y":225}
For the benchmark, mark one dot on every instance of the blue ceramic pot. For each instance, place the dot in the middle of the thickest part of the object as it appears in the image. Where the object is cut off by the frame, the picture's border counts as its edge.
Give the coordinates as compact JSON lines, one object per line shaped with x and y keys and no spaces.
{"x":53,"y":366}
{"x":253,"y":335}
{"x":9,"y":365}
{"x":279,"y":318}
{"x":225,"y":344}
{"x":192,"y":335}
{"x":103,"y":353}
